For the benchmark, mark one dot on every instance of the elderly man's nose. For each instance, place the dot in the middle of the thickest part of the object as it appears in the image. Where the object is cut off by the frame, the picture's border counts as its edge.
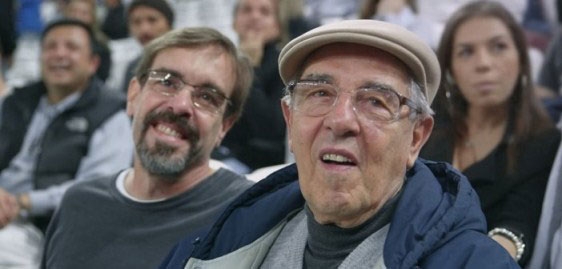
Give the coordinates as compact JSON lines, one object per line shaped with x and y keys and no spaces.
{"x":342,"y":118}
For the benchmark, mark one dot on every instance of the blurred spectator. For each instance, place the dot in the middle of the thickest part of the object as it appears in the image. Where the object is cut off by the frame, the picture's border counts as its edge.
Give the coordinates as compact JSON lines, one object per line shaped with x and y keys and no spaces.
{"x":63,"y":129}
{"x":24,"y":67}
{"x":489,"y":123}
{"x":439,"y":11}
{"x":115,"y":22}
{"x":550,"y":78}
{"x":401,"y":12}
{"x":85,"y":11}
{"x":216,"y":14}
{"x":7,"y":33}
{"x":550,"y":75}
{"x":147,"y":20}
{"x":549,"y":71}
{"x":326,"y":11}
{"x":258,"y":138}
{"x":292,"y":20}
{"x":537,"y":26}
{"x":552,"y":12}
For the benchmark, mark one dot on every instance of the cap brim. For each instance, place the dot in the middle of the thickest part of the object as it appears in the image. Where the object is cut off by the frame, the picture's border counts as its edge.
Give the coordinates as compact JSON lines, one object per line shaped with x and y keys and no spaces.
{"x":391,"y":38}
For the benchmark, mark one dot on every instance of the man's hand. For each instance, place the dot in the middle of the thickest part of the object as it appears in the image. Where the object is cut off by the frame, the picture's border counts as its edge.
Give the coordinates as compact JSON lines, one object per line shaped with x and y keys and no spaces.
{"x":9,"y":208}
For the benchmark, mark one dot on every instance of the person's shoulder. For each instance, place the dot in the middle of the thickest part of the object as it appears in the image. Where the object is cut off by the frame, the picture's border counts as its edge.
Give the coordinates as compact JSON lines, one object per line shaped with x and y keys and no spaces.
{"x":280,"y":188}
{"x":94,"y":186}
{"x":81,"y":196}
{"x":449,"y":219}
{"x":234,"y":179}
{"x":435,"y":180}
{"x":431,"y":169}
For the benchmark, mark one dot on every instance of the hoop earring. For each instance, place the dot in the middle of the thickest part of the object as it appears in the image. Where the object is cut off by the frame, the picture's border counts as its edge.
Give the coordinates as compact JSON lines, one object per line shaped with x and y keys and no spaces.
{"x":451,"y":81}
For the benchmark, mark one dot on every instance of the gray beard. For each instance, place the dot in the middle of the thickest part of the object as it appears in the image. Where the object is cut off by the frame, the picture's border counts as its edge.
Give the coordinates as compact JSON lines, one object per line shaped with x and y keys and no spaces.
{"x":159,"y":161}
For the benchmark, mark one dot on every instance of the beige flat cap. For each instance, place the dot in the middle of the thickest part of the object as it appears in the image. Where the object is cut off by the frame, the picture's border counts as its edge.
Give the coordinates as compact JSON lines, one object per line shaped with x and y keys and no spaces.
{"x":394,"y":39}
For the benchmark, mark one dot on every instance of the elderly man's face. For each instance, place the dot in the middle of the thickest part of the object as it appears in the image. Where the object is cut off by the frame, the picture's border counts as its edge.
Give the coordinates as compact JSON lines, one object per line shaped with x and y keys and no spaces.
{"x":349,"y":165}
{"x":174,"y":132}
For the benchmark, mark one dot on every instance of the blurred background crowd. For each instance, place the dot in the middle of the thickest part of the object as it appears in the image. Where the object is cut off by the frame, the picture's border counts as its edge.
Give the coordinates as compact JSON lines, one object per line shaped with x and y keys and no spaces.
{"x":260,"y":28}
{"x":121,"y":39}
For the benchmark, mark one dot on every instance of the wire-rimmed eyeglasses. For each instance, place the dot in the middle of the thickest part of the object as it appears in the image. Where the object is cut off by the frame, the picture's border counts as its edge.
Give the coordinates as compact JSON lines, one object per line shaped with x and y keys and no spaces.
{"x":377,"y":103}
{"x":168,"y":84}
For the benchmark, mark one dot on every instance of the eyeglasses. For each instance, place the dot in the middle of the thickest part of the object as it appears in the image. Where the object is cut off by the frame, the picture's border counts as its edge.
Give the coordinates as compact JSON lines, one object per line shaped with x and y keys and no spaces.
{"x":205,"y":98}
{"x":378,"y":103}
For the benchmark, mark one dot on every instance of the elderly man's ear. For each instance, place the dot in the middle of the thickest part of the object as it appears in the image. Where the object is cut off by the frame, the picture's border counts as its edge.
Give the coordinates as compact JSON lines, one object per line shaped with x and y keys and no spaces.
{"x":287,"y":115}
{"x":422,"y":131}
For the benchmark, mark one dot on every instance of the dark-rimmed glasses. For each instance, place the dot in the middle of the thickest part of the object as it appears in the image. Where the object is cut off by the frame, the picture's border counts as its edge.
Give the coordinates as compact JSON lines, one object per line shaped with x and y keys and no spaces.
{"x":377,"y":103}
{"x":168,"y":84}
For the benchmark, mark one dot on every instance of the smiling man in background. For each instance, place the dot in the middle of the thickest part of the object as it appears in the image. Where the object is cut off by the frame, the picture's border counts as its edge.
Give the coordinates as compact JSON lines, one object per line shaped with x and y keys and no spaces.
{"x":65,"y":128}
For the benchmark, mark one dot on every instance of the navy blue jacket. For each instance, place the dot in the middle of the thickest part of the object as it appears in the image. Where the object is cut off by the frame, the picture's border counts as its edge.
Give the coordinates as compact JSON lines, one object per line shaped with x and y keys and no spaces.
{"x":437,"y":223}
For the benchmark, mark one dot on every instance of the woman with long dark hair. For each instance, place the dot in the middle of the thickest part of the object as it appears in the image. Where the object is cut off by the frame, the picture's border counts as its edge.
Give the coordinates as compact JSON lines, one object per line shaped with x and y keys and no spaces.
{"x":489,"y":123}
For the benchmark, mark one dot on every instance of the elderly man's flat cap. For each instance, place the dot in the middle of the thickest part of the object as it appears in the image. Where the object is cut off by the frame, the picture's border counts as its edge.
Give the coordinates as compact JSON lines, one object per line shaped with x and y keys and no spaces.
{"x":391,"y":38}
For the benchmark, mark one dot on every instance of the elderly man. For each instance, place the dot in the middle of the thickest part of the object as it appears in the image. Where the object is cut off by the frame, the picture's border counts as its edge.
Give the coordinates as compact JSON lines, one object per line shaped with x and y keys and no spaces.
{"x":188,"y":91}
{"x":65,"y":128}
{"x":357,"y":113}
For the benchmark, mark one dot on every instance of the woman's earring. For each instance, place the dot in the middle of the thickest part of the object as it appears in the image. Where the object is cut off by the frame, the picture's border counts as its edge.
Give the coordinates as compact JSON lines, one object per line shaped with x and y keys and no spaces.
{"x":451,"y":81}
